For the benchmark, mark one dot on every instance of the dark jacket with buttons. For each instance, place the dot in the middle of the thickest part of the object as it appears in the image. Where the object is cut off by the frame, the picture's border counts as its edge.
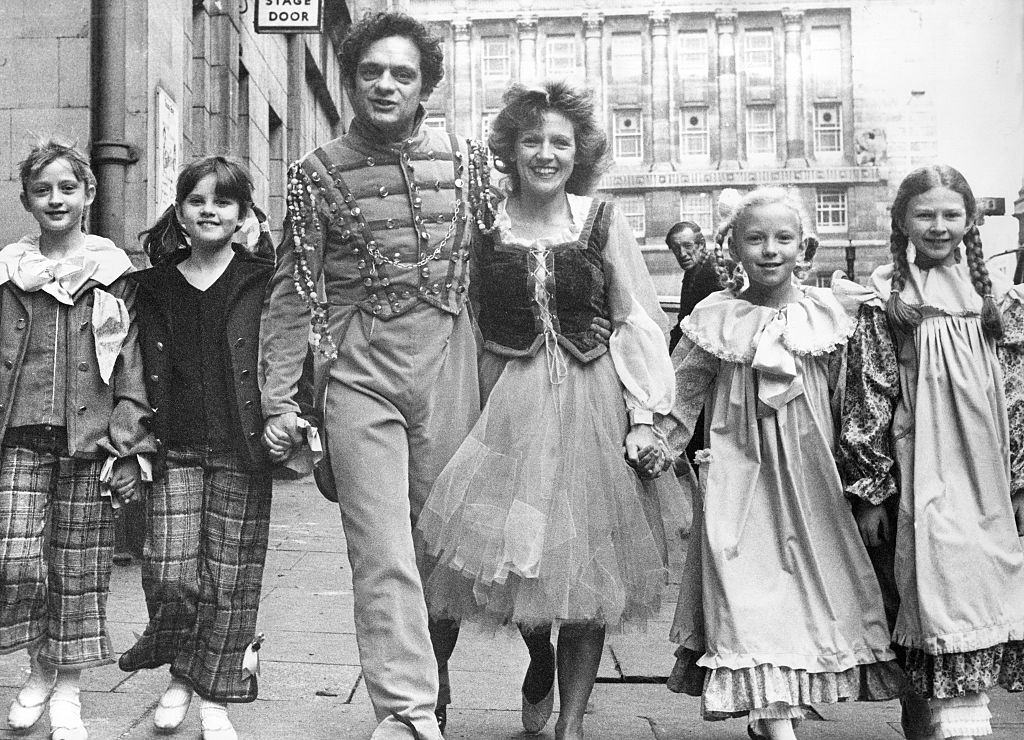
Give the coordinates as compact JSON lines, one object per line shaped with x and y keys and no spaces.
{"x":244,"y":305}
{"x":101,"y":419}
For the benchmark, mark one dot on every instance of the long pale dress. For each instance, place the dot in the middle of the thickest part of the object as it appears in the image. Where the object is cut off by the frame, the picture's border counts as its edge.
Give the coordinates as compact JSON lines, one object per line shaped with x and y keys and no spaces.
{"x":782,"y":606}
{"x":538,"y":518}
{"x":929,"y":410}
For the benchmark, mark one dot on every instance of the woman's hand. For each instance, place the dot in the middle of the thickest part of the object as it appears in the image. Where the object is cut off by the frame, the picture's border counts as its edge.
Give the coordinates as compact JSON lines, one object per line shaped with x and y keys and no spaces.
{"x":873,"y":522}
{"x":126,"y":479}
{"x":280,"y":435}
{"x":602,"y":329}
{"x":645,"y":452}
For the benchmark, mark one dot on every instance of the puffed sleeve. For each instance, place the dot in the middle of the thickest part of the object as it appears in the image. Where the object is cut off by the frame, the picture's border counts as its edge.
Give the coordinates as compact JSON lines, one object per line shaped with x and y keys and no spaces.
{"x":695,"y":371}
{"x":638,"y":344}
{"x":1011,"y":358}
{"x":284,"y":328}
{"x":872,"y":389}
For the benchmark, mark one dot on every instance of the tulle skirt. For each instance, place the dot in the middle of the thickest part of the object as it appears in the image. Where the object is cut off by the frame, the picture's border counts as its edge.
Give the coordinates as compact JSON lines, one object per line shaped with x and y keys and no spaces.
{"x":538,"y":518}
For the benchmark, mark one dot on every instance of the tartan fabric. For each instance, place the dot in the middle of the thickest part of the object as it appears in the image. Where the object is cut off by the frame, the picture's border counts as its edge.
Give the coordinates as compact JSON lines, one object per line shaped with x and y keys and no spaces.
{"x":54,"y":593}
{"x":208,"y":523}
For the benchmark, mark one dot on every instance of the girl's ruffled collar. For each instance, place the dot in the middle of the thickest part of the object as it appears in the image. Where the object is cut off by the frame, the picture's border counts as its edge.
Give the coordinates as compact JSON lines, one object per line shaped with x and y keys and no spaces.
{"x":821,"y":321}
{"x":104,"y":261}
{"x":579,"y":208}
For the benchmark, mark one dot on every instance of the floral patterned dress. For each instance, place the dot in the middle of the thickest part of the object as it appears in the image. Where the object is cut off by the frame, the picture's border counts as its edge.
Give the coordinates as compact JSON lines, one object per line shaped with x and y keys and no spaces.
{"x":781,"y":606}
{"x":925,"y":418}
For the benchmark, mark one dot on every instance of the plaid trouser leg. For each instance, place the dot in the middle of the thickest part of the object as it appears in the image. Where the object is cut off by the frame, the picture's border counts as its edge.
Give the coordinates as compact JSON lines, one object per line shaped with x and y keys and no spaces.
{"x":66,"y":609}
{"x":236,"y":529}
{"x":170,"y":564}
{"x":207,"y":535}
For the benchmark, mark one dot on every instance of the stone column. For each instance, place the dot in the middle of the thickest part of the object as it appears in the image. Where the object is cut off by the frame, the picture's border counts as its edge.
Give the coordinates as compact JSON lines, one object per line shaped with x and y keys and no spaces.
{"x":592,"y":23}
{"x":462,"y":79}
{"x":796,"y":150}
{"x":527,"y":47}
{"x":661,"y":125}
{"x":728,"y":115}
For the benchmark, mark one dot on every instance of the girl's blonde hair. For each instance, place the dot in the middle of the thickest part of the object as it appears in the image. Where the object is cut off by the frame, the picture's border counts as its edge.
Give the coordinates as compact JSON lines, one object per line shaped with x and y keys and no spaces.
{"x":904,"y":317}
{"x":47,"y":151}
{"x":733,"y":207}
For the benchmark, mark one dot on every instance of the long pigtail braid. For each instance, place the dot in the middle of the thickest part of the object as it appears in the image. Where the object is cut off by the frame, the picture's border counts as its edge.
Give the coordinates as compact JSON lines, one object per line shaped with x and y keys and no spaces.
{"x":902,"y":316}
{"x":991,"y":319}
{"x":725,"y":277}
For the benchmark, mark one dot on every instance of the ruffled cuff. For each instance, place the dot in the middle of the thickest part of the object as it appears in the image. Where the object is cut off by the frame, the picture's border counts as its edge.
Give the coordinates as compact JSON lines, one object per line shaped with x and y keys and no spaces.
{"x":872,"y":490}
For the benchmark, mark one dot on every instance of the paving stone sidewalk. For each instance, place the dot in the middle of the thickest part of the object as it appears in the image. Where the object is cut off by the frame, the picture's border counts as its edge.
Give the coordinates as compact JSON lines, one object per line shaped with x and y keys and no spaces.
{"x":311,"y":687}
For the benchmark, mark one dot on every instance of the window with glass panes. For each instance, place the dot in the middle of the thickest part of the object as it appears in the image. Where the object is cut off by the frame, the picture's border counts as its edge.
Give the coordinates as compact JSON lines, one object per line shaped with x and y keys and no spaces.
{"x":560,"y":56}
{"x":828,"y":128}
{"x":627,"y":134}
{"x":693,"y":132}
{"x":696,"y":207}
{"x":826,"y":61}
{"x":759,"y":62}
{"x":760,"y":130}
{"x":627,"y":58}
{"x":494,"y":61}
{"x":635,"y":211}
{"x":830,"y":210}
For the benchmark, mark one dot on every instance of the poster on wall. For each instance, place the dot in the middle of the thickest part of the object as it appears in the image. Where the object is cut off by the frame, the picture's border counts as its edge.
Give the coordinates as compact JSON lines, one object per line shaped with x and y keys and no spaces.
{"x":289,"y":16}
{"x":168,"y":148}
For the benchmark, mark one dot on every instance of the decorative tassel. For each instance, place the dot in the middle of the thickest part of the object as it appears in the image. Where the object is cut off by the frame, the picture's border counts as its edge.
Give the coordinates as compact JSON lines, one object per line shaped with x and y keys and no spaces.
{"x":251,"y":660}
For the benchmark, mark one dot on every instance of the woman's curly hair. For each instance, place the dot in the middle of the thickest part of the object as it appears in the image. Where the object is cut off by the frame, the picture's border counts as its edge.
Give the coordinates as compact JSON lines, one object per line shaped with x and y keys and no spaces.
{"x":373,"y":28}
{"x":524,"y":109}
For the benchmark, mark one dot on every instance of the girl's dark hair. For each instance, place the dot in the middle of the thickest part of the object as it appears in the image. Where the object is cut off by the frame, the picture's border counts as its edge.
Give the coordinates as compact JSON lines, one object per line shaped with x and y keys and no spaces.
{"x":525,"y":108}
{"x":166,"y":237}
{"x":47,"y":151}
{"x":903,"y":316}
{"x":373,"y":28}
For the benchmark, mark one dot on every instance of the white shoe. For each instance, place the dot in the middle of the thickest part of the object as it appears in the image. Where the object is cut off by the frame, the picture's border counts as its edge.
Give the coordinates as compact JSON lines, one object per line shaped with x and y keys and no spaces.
{"x":173,"y":706}
{"x":66,"y":712}
{"x":28,"y":705}
{"x":216,"y":725}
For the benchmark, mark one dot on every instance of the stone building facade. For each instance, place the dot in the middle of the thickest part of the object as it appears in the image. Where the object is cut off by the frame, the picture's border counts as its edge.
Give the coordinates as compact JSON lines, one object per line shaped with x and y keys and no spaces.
{"x":837,"y":98}
{"x":147,"y":85}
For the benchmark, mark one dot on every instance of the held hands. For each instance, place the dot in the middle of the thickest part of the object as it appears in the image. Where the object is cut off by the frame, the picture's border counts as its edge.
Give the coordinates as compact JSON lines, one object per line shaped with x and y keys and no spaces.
{"x":126,"y":479}
{"x":873,"y":521}
{"x":645,"y":452}
{"x":281,"y":435}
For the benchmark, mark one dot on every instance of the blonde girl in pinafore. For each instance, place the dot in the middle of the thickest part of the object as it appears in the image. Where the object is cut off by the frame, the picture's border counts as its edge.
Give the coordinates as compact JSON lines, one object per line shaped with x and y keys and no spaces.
{"x":781,"y":609}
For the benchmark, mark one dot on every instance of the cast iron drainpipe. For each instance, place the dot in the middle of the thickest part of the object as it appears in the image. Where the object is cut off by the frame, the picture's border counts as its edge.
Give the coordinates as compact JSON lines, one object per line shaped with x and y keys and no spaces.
{"x":111,"y":154}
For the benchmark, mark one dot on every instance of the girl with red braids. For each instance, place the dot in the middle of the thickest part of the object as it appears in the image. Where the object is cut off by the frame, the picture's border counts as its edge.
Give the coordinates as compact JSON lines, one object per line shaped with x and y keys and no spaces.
{"x":925,"y":415}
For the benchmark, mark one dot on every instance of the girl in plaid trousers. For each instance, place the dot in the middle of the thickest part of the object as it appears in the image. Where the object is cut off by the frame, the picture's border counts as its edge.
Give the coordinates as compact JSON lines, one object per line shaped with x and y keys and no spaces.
{"x":72,"y":407}
{"x":208,"y":516}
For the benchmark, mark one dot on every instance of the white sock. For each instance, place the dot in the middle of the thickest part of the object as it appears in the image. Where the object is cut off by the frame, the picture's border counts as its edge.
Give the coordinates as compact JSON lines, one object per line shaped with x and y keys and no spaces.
{"x":214,"y":715}
{"x":177,"y":692}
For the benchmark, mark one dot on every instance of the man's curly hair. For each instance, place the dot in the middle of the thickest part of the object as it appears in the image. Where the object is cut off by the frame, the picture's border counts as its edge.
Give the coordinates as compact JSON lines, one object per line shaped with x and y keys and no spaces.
{"x":373,"y":28}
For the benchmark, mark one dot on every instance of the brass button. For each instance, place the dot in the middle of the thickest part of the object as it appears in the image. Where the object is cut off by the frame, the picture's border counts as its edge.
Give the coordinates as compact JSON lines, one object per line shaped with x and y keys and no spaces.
{"x":155,"y":378}
{"x":83,"y":366}
{"x":160,"y":346}
{"x":8,"y":364}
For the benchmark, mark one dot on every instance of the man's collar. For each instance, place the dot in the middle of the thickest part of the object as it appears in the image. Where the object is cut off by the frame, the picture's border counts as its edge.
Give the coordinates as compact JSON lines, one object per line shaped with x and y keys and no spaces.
{"x":374,"y":137}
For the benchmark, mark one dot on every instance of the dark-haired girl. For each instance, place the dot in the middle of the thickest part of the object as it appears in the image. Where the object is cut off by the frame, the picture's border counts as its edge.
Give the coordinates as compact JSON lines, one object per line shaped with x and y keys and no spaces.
{"x":208,"y":515}
{"x":779,"y":608}
{"x":926,"y":416}
{"x":538,"y":519}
